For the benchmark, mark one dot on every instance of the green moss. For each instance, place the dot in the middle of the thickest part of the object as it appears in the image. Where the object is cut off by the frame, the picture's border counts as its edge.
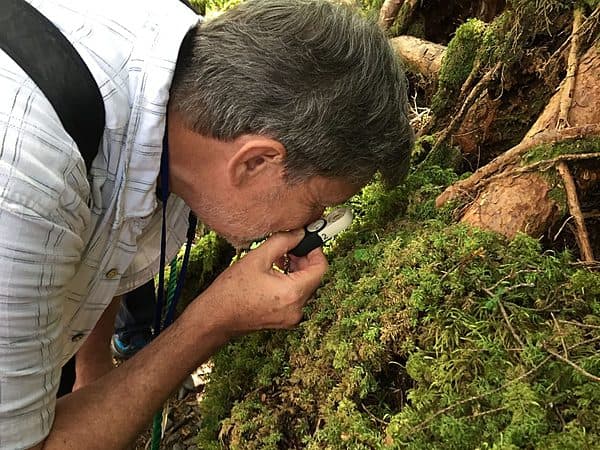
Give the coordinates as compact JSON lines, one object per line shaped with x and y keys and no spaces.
{"x":567,"y":147}
{"x":426,"y":154}
{"x":550,"y":151}
{"x":209,"y":256}
{"x":209,"y":7}
{"x":592,"y":4}
{"x":458,"y":63}
{"x":408,"y":324}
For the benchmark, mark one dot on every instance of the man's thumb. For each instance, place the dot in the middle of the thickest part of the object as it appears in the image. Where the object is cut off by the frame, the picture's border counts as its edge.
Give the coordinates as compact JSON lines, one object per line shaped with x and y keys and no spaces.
{"x":279,"y":244}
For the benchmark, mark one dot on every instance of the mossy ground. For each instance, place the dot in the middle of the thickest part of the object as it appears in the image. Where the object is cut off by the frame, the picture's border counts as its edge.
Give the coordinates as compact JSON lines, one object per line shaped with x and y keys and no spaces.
{"x":406,"y":346}
{"x":426,"y":334}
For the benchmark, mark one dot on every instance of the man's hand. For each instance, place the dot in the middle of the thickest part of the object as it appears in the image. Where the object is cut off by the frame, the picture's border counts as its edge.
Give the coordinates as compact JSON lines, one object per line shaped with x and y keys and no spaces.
{"x":252,"y":295}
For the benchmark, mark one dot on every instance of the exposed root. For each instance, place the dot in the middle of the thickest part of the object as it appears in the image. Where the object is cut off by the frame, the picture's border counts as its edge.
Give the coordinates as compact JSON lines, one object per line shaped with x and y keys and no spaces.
{"x":388,"y":12}
{"x":586,"y":28}
{"x":511,"y":157}
{"x":419,"y":55}
{"x":471,"y":98}
{"x":581,"y":234}
{"x":543,"y":165}
{"x":468,"y":84}
{"x":568,"y":88}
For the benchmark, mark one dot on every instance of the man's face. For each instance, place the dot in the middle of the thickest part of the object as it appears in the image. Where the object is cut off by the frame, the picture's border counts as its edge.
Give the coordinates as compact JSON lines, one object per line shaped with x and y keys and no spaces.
{"x":238,"y":187}
{"x":275,"y":206}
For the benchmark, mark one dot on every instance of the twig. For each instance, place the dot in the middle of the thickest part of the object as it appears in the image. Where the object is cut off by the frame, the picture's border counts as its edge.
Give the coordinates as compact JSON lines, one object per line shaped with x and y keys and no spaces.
{"x":170,"y":433}
{"x":485,"y":413}
{"x":579,"y":324}
{"x":562,"y":340}
{"x":560,"y":417}
{"x":510,"y":327}
{"x":511,"y":157}
{"x":574,"y":366}
{"x":566,"y":96}
{"x":373,"y":416}
{"x":582,"y":236}
{"x":586,"y":342}
{"x":423,"y":424}
{"x":560,"y":230}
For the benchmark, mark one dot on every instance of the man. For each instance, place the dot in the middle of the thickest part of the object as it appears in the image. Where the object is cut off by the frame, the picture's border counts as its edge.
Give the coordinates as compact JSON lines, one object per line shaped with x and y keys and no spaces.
{"x":276,"y":110}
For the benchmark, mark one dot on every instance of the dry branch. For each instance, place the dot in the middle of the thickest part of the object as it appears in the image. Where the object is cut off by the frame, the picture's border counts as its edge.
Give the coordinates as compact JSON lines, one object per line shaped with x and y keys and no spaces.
{"x":511,"y":157}
{"x":571,"y":191}
{"x":568,"y":88}
{"x":574,"y":366}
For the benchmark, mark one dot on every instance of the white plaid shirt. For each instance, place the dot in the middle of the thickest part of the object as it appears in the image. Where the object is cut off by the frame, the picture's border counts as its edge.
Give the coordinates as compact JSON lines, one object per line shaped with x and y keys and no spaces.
{"x":62,"y":261}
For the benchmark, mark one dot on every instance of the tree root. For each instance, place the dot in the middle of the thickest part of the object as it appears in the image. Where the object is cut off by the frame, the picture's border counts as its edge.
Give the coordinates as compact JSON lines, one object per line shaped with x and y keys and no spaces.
{"x":471,"y":98}
{"x":587,"y":27}
{"x":388,"y":12}
{"x":422,"y":56}
{"x":510,"y":158}
{"x":568,"y":88}
{"x":542,"y":165}
{"x":582,"y":235}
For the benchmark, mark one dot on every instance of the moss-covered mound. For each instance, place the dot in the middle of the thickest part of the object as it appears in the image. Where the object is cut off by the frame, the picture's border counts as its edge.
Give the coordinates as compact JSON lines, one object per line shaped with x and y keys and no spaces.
{"x":425,"y":335}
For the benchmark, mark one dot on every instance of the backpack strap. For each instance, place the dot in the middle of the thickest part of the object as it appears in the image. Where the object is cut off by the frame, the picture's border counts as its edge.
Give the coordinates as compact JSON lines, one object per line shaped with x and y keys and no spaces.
{"x":52,"y":62}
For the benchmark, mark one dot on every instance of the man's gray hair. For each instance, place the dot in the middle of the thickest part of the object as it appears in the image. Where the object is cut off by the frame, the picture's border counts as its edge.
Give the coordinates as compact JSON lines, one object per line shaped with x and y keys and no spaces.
{"x":314,"y":75}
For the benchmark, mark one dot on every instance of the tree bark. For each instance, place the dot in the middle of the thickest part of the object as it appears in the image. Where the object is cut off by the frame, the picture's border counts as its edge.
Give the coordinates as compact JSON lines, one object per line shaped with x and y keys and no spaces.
{"x":585,"y":98}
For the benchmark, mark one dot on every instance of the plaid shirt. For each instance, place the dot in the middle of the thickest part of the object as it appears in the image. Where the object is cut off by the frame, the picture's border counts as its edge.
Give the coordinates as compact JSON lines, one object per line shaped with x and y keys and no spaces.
{"x":69,"y":245}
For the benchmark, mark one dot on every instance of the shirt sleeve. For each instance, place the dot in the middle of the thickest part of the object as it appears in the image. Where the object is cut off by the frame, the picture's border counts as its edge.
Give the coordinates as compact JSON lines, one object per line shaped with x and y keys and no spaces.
{"x":43,"y":212}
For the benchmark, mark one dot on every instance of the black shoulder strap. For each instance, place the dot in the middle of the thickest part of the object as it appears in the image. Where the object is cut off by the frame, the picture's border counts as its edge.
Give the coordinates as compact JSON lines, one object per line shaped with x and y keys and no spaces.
{"x":42,"y":51}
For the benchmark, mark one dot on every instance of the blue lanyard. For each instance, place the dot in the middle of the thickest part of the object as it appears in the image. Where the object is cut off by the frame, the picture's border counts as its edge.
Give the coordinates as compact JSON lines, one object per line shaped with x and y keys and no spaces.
{"x":159,"y":324}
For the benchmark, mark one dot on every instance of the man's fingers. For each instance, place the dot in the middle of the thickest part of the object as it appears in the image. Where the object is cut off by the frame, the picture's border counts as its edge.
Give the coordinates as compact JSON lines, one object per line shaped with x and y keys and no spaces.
{"x":314,"y":257}
{"x":309,"y":271}
{"x":278,"y":245}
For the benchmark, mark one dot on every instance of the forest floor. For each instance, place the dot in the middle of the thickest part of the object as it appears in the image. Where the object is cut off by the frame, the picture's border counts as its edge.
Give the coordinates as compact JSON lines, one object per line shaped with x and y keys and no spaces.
{"x":180,"y":424}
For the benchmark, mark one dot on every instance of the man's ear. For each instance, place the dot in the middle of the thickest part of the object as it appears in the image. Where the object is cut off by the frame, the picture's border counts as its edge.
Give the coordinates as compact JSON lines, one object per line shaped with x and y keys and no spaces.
{"x":254,"y":157}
